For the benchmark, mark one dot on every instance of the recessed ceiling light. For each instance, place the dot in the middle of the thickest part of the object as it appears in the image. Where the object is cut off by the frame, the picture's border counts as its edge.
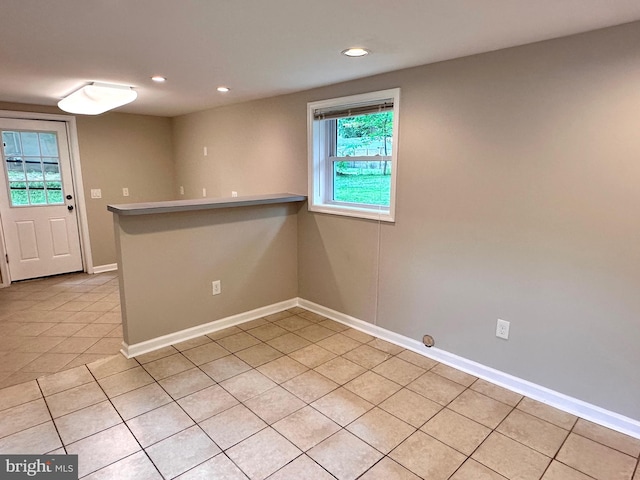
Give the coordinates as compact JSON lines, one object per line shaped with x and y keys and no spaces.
{"x":355,"y":52}
{"x":159,"y":78}
{"x":223,"y":89}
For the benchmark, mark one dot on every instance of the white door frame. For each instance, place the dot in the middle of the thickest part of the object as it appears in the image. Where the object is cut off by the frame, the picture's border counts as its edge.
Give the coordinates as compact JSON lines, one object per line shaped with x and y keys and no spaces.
{"x":76,"y":173}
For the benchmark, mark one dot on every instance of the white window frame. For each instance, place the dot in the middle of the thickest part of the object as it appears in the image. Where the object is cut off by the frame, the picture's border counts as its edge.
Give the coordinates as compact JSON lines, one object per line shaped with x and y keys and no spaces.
{"x":321,"y":164}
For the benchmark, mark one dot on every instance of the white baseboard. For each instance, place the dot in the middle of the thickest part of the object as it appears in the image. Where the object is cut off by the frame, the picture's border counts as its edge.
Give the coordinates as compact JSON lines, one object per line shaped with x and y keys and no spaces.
{"x":110,"y":267}
{"x":542,"y":394}
{"x":545,"y":395}
{"x":147,"y":346}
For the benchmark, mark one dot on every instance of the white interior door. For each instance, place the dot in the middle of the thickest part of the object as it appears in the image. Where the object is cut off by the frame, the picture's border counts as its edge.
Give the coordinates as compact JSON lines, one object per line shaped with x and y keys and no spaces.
{"x":37,"y":206}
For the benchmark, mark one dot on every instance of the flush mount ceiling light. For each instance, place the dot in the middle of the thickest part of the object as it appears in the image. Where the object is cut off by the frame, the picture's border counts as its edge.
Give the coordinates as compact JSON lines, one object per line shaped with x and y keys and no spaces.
{"x":223,"y":89}
{"x":159,"y":78}
{"x":355,"y":52}
{"x":97,"y":98}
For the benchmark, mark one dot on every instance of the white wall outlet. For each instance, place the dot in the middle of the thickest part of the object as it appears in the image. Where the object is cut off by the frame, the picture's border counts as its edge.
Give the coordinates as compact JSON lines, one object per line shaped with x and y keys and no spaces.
{"x":205,"y":151}
{"x":181,"y":190}
{"x":234,"y":194}
{"x":96,"y":193}
{"x":502,"y":329}
{"x":216,"y":288}
{"x":204,"y":192}
{"x":125,"y":192}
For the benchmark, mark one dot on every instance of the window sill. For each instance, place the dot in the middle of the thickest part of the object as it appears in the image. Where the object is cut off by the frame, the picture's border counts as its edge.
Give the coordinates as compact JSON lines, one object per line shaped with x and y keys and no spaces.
{"x":347,"y":211}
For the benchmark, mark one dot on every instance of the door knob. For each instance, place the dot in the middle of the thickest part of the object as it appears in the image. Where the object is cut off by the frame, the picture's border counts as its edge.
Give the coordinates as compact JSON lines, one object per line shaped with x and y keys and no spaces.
{"x":69,"y":207}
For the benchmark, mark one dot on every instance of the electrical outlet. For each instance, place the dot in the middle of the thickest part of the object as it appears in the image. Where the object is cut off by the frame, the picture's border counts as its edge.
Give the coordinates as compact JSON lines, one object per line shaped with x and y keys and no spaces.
{"x":234,"y":194}
{"x":205,"y":151}
{"x":181,"y":190}
{"x":502,"y":329}
{"x":216,"y":288}
{"x":204,"y":192}
{"x":125,"y":192}
{"x":96,"y":193}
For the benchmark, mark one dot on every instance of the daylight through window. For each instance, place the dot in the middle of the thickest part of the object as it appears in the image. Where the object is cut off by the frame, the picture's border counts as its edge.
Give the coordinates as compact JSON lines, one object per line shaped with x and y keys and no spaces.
{"x":32,"y":166}
{"x":352,"y":143}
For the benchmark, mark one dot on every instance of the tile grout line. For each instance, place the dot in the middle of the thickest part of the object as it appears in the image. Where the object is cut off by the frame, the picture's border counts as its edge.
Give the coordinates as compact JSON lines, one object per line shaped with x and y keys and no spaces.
{"x":277,"y":385}
{"x":559,"y":448}
{"x":123,"y":423}
{"x":599,"y":442}
{"x":222,"y":451}
{"x":65,"y":287}
{"x":341,"y":427}
{"x":44,"y":399}
{"x":513,"y":407}
{"x":94,"y":380}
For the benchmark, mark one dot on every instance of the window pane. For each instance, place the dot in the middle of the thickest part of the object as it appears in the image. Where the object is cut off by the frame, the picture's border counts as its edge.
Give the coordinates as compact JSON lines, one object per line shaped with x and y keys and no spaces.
{"x":51,"y":170}
{"x":49,"y":144}
{"x":30,"y":144}
{"x":33,"y":168}
{"x":360,"y":182}
{"x":54,"y":192}
{"x":365,"y":135}
{"x":19,"y":194}
{"x":15,"y":169}
{"x":11,"y":142}
{"x":19,"y":197}
{"x":37,"y":195}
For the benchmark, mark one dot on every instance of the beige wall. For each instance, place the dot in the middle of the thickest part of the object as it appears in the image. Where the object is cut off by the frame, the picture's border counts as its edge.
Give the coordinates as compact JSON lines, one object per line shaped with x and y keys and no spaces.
{"x":517,"y":199}
{"x":118,"y":150}
{"x":122,"y":150}
{"x":170,"y":260}
{"x":253,"y":148}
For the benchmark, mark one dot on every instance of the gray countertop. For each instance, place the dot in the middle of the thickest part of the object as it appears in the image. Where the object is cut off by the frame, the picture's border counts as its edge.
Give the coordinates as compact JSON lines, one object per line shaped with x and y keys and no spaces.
{"x":171,"y":206}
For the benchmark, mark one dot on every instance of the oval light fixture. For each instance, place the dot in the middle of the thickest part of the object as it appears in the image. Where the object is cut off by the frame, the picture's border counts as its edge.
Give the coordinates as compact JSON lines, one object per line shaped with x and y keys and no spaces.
{"x":223,"y":89}
{"x":159,"y":78}
{"x":355,"y":52}
{"x":97,"y":98}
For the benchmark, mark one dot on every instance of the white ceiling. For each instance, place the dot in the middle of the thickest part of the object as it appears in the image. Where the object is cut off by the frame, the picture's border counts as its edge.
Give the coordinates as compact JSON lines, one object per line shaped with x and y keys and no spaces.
{"x":258,"y":48}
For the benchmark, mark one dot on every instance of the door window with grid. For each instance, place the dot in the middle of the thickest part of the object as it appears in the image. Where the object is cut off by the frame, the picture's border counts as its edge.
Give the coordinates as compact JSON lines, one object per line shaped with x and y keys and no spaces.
{"x":32,"y":165}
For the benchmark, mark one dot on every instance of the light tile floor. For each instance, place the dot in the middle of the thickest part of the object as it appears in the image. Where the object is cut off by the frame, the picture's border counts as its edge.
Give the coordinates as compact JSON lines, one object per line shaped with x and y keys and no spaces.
{"x":294,"y":396}
{"x":52,"y":324}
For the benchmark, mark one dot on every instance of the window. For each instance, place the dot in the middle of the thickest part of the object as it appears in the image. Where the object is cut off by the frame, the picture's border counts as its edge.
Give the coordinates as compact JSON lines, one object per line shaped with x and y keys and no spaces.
{"x":32,"y":167}
{"x":352,"y":155}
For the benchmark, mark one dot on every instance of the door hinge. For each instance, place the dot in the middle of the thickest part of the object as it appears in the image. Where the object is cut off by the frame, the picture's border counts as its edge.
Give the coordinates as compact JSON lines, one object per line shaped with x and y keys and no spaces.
{"x":7,"y":257}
